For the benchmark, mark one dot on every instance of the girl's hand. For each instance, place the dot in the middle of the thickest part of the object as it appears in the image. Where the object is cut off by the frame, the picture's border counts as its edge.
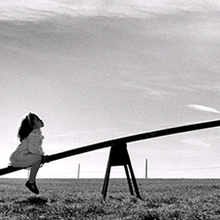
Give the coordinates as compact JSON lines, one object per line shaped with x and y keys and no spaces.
{"x":45,"y":159}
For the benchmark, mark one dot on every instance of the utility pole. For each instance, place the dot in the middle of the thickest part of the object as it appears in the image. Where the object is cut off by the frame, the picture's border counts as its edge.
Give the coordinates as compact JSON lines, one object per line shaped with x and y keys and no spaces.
{"x":146,"y":168}
{"x":78,"y":174}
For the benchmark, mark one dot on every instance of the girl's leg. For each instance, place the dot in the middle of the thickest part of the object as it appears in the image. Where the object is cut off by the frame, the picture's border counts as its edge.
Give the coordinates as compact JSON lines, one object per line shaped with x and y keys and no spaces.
{"x":34,"y":169}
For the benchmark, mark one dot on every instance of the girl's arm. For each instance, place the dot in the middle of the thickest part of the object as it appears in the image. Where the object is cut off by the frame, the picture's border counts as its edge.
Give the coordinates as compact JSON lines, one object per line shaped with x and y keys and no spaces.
{"x":35,"y":144}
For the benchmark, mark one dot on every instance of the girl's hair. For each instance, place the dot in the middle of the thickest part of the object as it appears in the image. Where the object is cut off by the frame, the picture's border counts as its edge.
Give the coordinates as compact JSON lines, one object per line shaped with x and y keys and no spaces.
{"x":26,"y":126}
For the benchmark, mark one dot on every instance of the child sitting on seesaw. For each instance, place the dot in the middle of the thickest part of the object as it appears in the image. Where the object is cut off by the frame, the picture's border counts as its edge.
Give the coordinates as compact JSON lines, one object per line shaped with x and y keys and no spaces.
{"x":29,"y":152}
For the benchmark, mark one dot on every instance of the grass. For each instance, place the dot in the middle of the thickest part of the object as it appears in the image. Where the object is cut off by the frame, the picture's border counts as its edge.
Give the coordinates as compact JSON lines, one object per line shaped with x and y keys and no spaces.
{"x":181,"y":199}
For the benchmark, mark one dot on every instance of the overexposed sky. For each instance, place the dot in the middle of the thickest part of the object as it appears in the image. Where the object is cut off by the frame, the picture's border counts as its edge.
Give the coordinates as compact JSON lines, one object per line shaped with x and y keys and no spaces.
{"x":97,"y":70}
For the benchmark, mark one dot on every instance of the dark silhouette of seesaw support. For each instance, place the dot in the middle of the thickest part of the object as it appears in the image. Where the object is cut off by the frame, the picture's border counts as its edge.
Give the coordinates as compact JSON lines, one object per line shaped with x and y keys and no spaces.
{"x":128,"y":139}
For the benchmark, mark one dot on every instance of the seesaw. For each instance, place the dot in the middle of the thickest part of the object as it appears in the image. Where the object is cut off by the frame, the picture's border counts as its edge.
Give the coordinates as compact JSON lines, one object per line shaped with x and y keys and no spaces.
{"x":119,"y":155}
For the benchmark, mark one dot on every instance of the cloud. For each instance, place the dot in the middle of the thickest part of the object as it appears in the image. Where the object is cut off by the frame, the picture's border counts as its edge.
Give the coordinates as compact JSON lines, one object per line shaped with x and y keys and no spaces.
{"x":196,"y":142}
{"x":204,"y":108}
{"x":41,"y":9}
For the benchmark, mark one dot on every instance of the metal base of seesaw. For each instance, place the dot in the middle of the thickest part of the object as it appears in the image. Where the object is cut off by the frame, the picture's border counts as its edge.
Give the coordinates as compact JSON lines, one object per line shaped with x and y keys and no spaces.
{"x":119,"y":157}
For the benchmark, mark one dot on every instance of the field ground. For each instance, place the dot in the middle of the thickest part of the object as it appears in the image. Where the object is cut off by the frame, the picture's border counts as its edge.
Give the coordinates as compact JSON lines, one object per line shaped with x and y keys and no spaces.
{"x":163,"y":199}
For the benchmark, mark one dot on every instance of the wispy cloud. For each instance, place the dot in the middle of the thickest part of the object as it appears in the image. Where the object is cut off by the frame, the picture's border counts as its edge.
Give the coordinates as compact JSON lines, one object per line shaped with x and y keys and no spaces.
{"x":144,"y":88}
{"x":197,"y":142}
{"x":204,"y":108}
{"x":79,"y":133}
{"x":148,"y":89}
{"x":41,"y":9}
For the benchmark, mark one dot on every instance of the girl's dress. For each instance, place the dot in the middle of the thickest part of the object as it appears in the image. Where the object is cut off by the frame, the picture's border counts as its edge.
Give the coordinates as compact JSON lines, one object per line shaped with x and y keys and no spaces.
{"x":28,"y":151}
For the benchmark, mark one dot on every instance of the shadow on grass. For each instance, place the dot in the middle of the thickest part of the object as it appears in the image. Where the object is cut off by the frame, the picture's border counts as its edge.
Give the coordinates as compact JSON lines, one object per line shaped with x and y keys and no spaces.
{"x":34,"y":200}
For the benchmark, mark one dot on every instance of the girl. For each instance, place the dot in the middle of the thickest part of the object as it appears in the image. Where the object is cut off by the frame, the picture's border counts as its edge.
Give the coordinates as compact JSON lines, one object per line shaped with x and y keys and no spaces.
{"x":29,"y":153}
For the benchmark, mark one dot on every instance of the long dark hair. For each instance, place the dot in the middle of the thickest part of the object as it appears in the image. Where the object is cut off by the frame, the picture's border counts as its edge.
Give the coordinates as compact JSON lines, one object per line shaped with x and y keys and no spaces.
{"x":26,"y":126}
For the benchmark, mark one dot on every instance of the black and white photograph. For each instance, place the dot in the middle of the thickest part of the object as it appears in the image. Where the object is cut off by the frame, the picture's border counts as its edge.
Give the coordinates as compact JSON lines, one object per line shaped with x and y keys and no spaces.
{"x":109,"y":109}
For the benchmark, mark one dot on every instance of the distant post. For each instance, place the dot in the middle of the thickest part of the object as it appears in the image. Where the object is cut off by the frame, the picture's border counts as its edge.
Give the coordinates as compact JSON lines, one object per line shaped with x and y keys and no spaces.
{"x":78,"y":174}
{"x":146,"y":168}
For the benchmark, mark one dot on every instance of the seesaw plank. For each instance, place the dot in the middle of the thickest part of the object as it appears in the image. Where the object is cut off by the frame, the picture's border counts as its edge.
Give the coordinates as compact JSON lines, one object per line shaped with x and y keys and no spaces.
{"x":137,"y":137}
{"x":132,"y":138}
{"x":9,"y":169}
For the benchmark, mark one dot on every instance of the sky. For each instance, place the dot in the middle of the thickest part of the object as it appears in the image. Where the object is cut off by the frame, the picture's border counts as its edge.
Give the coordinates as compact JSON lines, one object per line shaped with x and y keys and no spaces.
{"x":103,"y":69}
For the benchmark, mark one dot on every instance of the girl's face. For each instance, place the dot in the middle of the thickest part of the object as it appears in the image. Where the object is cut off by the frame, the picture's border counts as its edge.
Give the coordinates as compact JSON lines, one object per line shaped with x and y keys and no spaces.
{"x":38,"y":123}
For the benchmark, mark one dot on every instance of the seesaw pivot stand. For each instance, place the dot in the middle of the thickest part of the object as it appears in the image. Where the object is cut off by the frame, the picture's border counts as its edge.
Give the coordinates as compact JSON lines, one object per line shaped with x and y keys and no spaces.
{"x":119,"y":157}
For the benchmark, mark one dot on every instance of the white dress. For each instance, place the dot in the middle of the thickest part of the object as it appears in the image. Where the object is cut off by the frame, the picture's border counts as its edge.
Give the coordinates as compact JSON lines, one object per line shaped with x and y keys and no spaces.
{"x":28,"y":151}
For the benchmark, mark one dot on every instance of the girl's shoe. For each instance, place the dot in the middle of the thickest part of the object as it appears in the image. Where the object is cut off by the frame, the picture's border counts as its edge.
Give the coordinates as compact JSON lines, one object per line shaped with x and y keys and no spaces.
{"x":32,"y":187}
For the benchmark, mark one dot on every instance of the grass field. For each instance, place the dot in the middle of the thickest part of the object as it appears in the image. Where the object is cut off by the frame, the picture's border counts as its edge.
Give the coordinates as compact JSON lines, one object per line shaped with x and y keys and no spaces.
{"x":183,"y":199}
